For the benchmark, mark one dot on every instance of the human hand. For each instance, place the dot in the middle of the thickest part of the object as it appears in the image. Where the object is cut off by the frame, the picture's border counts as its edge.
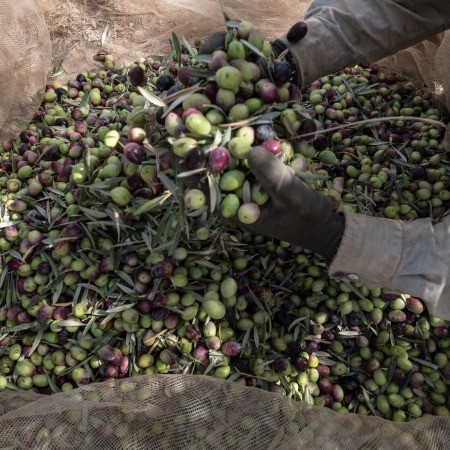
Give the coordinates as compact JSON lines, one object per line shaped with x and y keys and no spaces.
{"x":295,"y":212}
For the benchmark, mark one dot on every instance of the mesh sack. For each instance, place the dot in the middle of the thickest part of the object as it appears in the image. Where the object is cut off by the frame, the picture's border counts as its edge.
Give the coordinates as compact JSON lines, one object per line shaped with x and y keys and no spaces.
{"x":25,"y":59}
{"x":197,"y":412}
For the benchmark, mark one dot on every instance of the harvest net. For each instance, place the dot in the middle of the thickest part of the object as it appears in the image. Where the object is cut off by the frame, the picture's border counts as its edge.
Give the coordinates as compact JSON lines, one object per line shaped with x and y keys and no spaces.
{"x":197,"y":412}
{"x":45,"y":40}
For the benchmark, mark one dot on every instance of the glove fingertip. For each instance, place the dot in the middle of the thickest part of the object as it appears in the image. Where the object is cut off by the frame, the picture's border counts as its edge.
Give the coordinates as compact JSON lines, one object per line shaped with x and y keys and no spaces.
{"x":263,"y":162}
{"x":297,"y":32}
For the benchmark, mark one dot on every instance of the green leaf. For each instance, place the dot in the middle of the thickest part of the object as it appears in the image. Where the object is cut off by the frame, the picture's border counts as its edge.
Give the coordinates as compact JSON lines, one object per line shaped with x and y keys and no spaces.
{"x":177,"y":47}
{"x":246,"y":339}
{"x":168,"y":184}
{"x":232,"y":23}
{"x":84,"y":101}
{"x":308,"y":398}
{"x":202,"y":73}
{"x":104,"y":35}
{"x":93,"y":213}
{"x":15,"y":254}
{"x":125,"y":277}
{"x":55,"y":389}
{"x":188,"y":46}
{"x":288,"y":125}
{"x":57,"y":292}
{"x":226,"y":137}
{"x":118,"y":309}
{"x":204,"y":58}
{"x":151,"y":98}
{"x":355,"y":290}
{"x":368,"y":401}
{"x":253,"y":49}
{"x":226,"y":16}
{"x":3,"y":276}
{"x":389,"y":375}
{"x":209,"y":265}
{"x":8,"y":224}
{"x":147,"y":206}
{"x":38,"y":338}
{"x":349,"y":333}
{"x":125,"y":289}
{"x":425,"y":363}
{"x":284,"y":383}
{"x":256,"y":336}
{"x":69,"y":323}
{"x":211,"y":366}
{"x":215,"y":143}
{"x":57,"y":70}
{"x":24,"y":326}
{"x":189,"y":173}
{"x":214,"y":193}
{"x":92,"y":288}
{"x":198,"y":212}
{"x":179,"y":99}
{"x":327,"y":362}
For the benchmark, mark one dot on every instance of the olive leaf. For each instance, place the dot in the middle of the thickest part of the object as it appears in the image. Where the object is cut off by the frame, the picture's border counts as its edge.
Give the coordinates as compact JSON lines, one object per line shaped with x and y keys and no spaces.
{"x":188,"y":46}
{"x":254,"y":49}
{"x":104,"y":35}
{"x":177,"y":47}
{"x":151,"y":98}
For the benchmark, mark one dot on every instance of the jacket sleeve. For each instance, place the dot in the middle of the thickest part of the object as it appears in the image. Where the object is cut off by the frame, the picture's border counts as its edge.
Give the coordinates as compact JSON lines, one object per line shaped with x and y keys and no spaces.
{"x":402,"y":257}
{"x":343,"y":33}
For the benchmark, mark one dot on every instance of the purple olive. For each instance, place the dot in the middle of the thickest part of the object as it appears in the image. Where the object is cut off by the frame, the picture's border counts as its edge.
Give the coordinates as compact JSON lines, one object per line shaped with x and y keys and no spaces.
{"x":184,"y":75}
{"x":307,"y":126}
{"x":273,"y":146}
{"x":137,"y":76}
{"x":44,"y":313}
{"x":135,"y":153}
{"x":219,"y":159}
{"x":162,"y":269}
{"x":73,"y":230}
{"x":269,"y":93}
{"x":302,"y":364}
{"x":231,"y":348}
{"x":164,"y":82}
{"x":195,"y":159}
{"x":282,"y":72}
{"x":264,"y":133}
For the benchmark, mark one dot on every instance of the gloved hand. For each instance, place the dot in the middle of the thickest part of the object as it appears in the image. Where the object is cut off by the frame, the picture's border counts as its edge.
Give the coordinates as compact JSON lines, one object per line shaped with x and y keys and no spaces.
{"x":297,"y":32}
{"x":295,"y":212}
{"x":215,"y":42}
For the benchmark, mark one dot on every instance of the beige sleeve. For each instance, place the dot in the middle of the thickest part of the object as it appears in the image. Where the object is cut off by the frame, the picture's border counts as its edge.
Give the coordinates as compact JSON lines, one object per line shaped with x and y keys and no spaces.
{"x":343,"y":33}
{"x":403,"y":257}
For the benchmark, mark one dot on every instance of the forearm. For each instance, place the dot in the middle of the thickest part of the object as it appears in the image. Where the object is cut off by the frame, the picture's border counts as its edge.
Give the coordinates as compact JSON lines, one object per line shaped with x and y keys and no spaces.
{"x":343,"y":33}
{"x":405,"y":257}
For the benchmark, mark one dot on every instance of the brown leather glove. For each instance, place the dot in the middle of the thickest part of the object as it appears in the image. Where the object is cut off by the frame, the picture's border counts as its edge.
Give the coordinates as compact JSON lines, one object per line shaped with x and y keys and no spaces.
{"x":295,"y":213}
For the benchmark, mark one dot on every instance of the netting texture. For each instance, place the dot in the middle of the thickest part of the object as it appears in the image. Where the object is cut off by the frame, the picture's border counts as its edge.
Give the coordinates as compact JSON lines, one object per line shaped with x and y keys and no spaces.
{"x":197,"y":412}
{"x":162,"y":411}
{"x":25,"y":58}
{"x":41,"y":35}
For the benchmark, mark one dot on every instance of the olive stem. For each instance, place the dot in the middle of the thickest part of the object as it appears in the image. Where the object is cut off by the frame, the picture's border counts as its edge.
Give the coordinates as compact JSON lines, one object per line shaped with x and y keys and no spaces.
{"x":375,"y":120}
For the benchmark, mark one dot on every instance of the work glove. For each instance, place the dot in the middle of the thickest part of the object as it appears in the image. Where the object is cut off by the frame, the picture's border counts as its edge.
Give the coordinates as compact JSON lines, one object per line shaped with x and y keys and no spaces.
{"x":297,"y":32}
{"x":295,"y":213}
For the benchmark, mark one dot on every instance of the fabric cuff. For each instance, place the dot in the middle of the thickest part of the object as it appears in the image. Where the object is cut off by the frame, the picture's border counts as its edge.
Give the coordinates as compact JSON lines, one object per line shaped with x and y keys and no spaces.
{"x":370,"y":250}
